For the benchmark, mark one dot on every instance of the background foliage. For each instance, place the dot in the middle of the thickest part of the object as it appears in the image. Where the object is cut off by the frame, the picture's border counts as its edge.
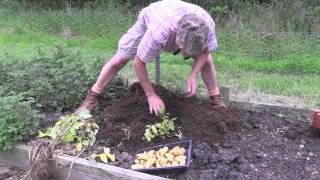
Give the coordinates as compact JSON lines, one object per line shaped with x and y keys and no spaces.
{"x":18,"y":120}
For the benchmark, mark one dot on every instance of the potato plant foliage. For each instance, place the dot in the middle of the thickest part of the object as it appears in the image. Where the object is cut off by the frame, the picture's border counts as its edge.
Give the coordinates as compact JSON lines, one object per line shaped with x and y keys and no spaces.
{"x":74,"y":128}
{"x":162,"y":129}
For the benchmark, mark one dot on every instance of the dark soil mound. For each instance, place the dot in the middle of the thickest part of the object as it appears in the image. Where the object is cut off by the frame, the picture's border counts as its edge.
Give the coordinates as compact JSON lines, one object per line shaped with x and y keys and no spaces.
{"x":228,"y":144}
{"x":125,"y":119}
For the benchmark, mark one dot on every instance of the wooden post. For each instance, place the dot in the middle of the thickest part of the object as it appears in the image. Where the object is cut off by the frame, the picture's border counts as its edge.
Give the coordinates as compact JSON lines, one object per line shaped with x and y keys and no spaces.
{"x":157,"y":69}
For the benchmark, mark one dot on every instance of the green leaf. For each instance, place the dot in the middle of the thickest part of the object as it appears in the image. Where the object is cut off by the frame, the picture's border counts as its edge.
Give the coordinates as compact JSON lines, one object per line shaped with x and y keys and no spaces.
{"x":154,"y":129}
{"x":112,"y":157}
{"x":84,"y":114}
{"x":41,"y":134}
{"x":68,"y":138}
{"x":103,"y":157}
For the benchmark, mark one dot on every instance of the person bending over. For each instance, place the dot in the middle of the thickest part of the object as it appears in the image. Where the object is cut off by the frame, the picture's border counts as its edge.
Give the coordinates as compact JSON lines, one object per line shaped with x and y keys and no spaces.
{"x":170,"y":25}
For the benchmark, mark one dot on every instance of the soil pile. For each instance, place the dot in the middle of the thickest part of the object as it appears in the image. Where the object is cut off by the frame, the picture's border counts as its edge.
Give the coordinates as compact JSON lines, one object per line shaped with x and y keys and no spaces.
{"x":125,"y":119}
{"x":228,"y":144}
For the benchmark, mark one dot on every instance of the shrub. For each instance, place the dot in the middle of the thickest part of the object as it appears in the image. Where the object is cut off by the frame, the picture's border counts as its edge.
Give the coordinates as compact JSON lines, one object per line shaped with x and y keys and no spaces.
{"x":17,"y":120}
{"x":57,"y":81}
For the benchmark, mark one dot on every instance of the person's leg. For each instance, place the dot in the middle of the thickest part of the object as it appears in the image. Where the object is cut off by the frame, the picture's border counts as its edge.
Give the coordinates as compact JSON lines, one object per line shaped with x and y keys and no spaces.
{"x":127,"y":48}
{"x":209,"y":78}
{"x":108,"y":72}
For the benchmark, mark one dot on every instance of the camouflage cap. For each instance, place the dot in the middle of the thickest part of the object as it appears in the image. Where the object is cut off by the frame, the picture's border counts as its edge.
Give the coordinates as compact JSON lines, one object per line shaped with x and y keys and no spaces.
{"x":192,"y":34}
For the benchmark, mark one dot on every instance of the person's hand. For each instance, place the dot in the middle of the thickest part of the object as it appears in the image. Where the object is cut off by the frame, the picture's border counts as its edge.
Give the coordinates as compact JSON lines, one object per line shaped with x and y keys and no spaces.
{"x":155,"y":104}
{"x":191,"y":89}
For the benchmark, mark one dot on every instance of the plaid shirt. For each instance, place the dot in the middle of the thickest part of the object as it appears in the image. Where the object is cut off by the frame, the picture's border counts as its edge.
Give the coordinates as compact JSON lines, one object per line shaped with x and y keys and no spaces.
{"x":161,"y":19}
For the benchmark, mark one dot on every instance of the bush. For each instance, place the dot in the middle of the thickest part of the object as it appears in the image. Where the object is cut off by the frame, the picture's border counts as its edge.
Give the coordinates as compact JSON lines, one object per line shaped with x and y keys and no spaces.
{"x":17,"y":120}
{"x":57,"y":81}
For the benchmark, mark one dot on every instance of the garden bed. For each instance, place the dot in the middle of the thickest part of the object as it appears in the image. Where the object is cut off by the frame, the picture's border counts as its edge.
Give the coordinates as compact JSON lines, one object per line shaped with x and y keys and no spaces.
{"x":236,"y":143}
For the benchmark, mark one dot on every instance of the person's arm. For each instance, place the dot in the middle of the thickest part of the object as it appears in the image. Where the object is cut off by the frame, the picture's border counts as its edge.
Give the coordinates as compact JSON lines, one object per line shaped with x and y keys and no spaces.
{"x":199,"y":62}
{"x":155,"y":103}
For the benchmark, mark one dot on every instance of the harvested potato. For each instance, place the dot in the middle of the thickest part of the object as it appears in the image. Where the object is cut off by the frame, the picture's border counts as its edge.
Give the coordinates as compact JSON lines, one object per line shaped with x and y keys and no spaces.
{"x":175,"y":163}
{"x":151,"y":153}
{"x":158,"y":154}
{"x":180,"y":158}
{"x":166,"y":149}
{"x":163,"y":161}
{"x":142,"y":157}
{"x":164,"y":157}
{"x":149,"y":163}
{"x":142,"y":162}
{"x":158,"y":165}
{"x":174,"y":149}
{"x":154,"y":159}
{"x":177,"y":151}
{"x":162,"y":152}
{"x":182,"y":151}
{"x":183,"y":162}
{"x":169,"y":156}
{"x":137,"y":166}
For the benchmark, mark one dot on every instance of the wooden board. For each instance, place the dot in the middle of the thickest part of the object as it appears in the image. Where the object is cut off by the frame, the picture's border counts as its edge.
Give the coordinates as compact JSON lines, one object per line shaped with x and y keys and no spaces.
{"x":82,"y":169}
{"x":293,"y":113}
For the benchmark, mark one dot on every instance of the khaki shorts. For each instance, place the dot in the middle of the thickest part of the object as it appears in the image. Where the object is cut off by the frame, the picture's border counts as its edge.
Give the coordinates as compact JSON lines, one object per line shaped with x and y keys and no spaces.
{"x":129,"y":42}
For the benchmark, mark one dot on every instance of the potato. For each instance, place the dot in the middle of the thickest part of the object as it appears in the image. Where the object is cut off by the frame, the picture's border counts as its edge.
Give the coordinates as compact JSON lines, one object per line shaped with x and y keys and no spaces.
{"x":137,"y":161}
{"x":151,"y":153}
{"x":137,"y":166}
{"x":142,"y":162}
{"x":149,"y":163}
{"x":163,"y":161}
{"x":180,"y":158}
{"x":158,"y":154}
{"x":154,"y":159}
{"x":158,"y":165}
{"x":169,"y":156}
{"x":174,"y":149}
{"x":166,"y":149}
{"x":183,"y":162}
{"x":168,"y":164}
{"x":177,"y":151}
{"x":175,"y":163}
{"x":142,"y":157}
{"x":181,"y":152}
{"x":162,"y":152}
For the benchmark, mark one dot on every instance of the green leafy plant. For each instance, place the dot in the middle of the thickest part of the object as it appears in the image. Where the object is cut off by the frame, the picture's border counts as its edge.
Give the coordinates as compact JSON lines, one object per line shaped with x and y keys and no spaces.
{"x":162,"y":129}
{"x":54,"y":77}
{"x":74,"y":128}
{"x":18,"y":119}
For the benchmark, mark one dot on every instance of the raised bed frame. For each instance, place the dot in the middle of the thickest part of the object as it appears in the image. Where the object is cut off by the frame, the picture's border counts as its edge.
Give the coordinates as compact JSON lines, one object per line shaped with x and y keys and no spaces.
{"x":83,"y":169}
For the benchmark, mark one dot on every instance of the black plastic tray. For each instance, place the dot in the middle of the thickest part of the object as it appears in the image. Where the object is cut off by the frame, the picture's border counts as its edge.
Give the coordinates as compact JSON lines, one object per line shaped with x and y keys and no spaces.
{"x":187,"y":144}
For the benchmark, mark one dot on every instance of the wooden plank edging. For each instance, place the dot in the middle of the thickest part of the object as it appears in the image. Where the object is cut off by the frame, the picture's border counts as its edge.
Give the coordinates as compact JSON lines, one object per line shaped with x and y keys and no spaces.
{"x":82,"y":169}
{"x":292,"y":112}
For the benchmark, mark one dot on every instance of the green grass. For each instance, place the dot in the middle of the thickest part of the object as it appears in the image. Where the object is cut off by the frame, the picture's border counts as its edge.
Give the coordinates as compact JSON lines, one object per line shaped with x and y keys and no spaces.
{"x":282,"y":64}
